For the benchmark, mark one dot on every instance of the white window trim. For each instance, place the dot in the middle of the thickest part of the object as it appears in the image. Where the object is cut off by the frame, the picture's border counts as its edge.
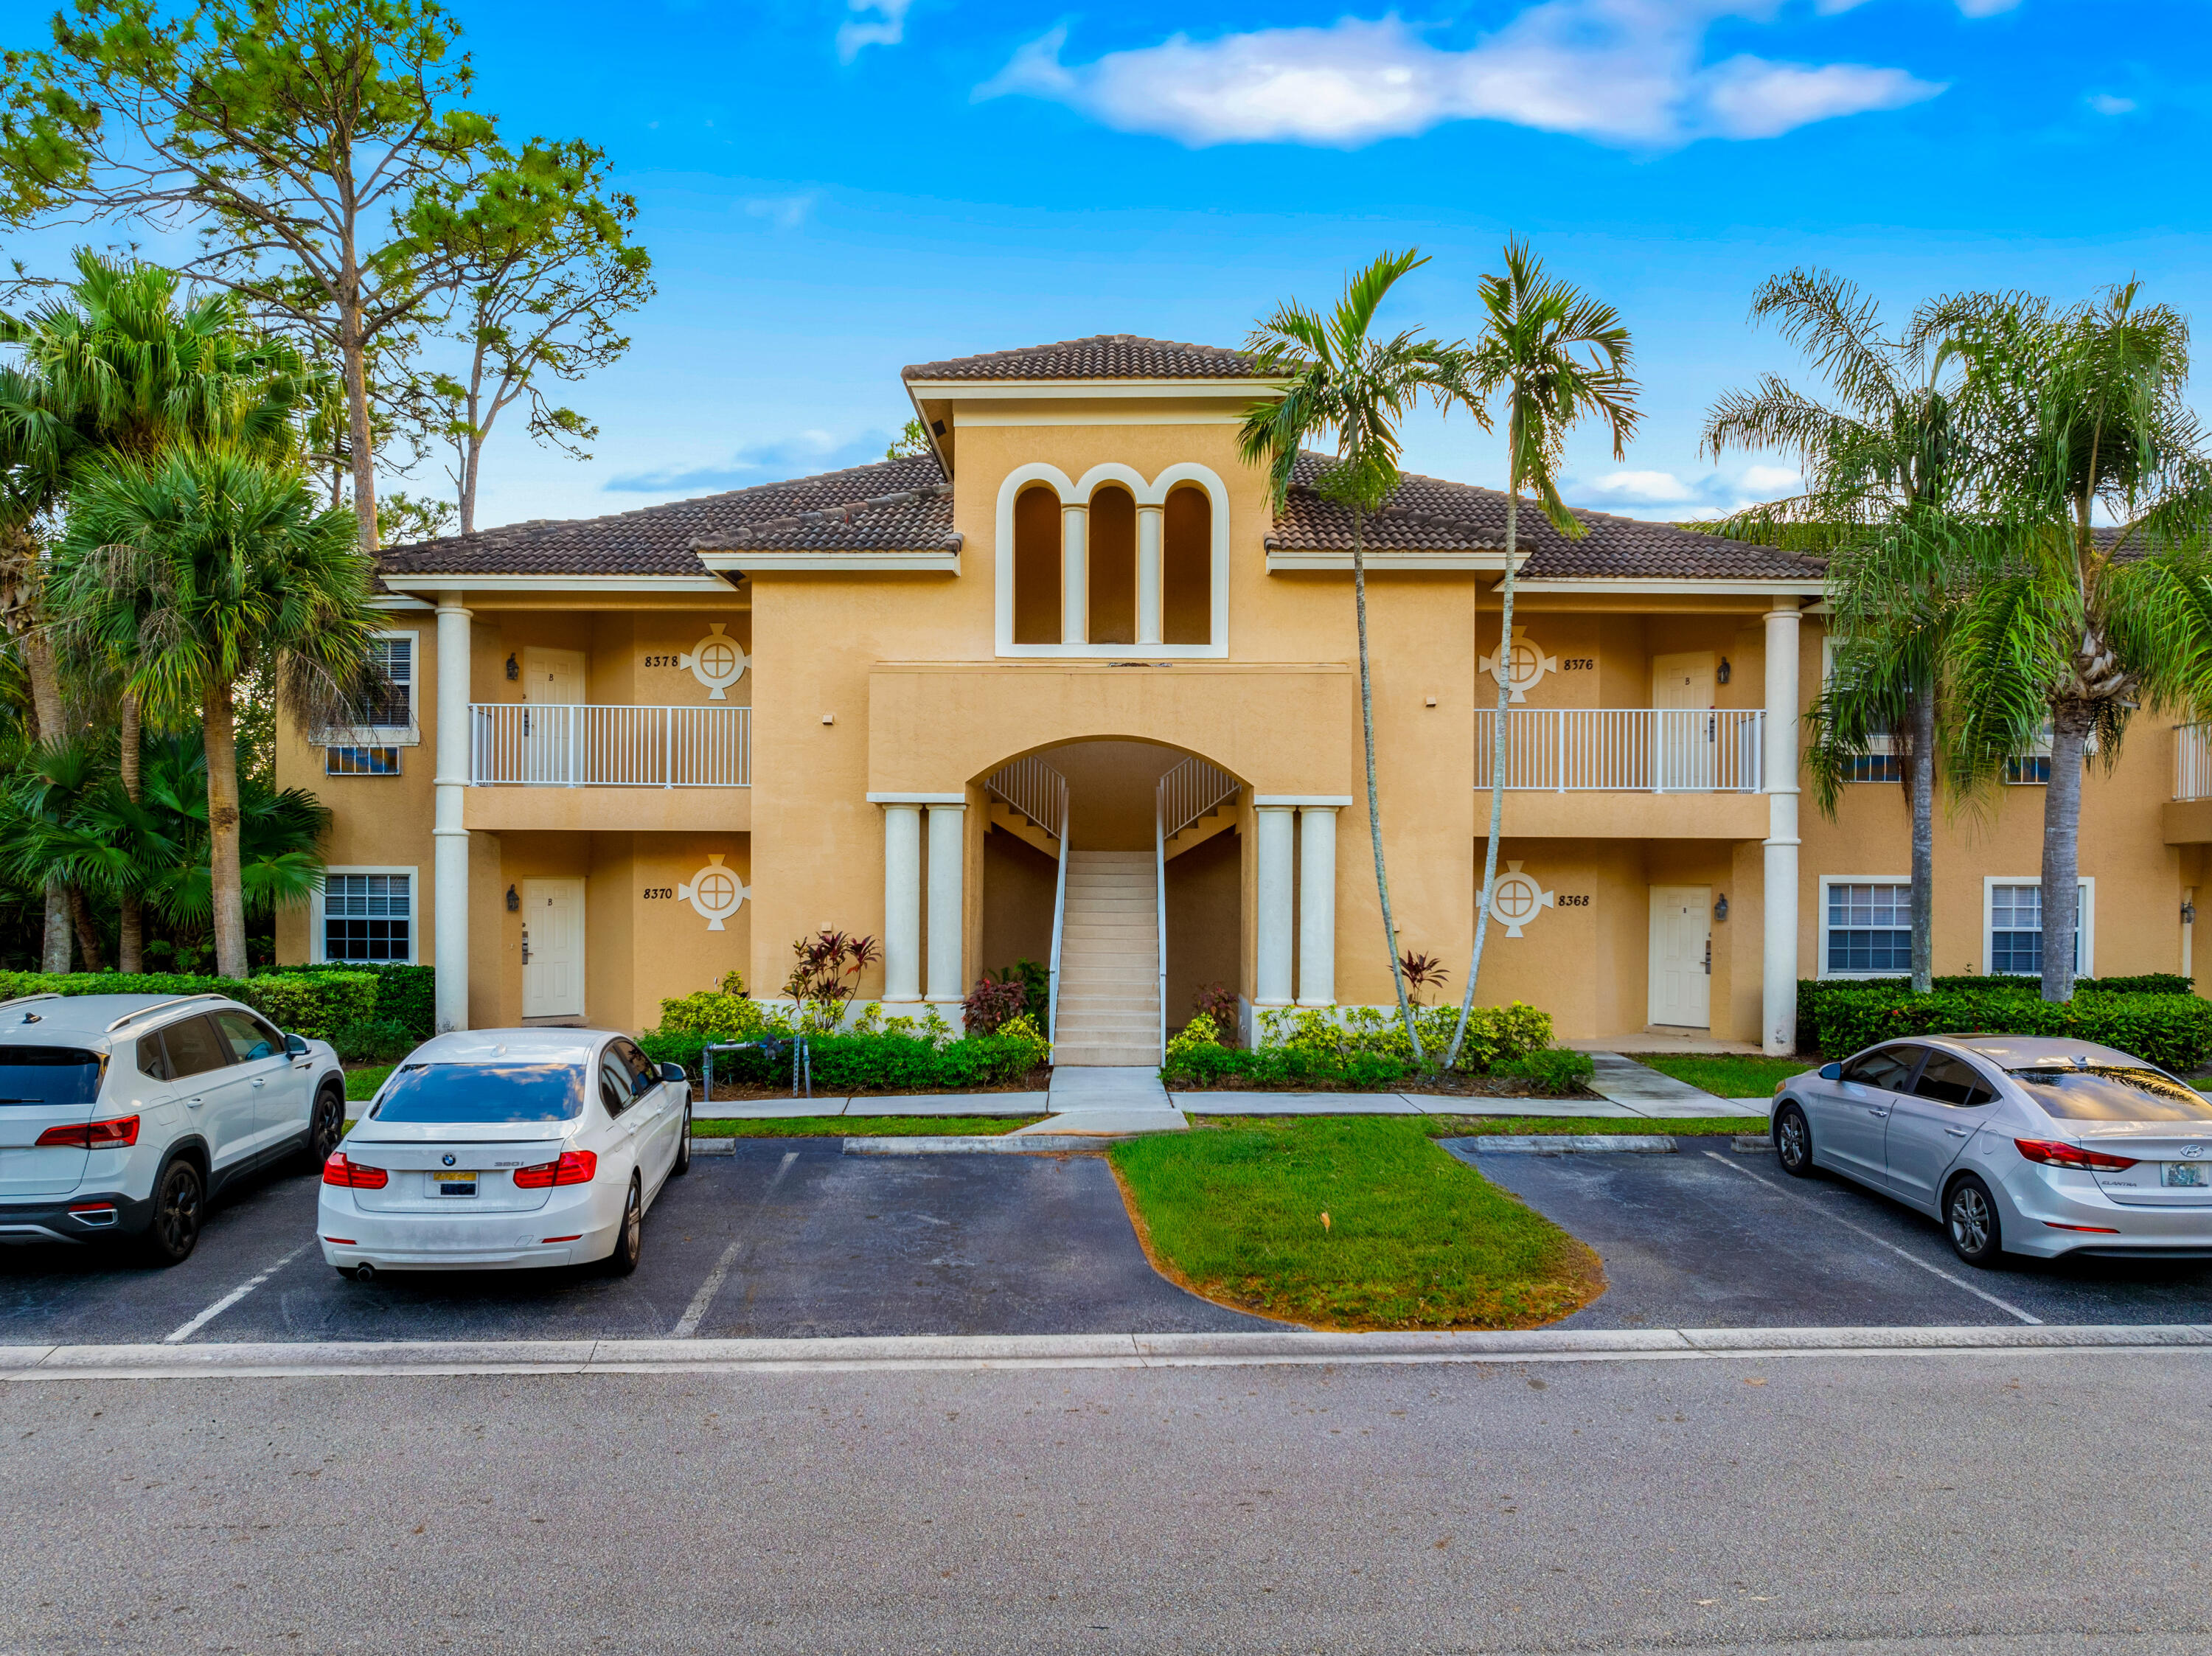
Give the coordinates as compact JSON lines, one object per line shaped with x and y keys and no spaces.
{"x":349,"y":776}
{"x":315,"y":955}
{"x":386,"y":735}
{"x":2087,"y":921}
{"x":1827,"y":880}
{"x":1079,"y":493}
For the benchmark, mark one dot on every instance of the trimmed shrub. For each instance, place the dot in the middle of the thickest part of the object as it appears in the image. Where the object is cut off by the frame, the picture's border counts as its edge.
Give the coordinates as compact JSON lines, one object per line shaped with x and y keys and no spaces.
{"x":1557,"y":1070}
{"x":372,"y":1040}
{"x":1209,"y":1063}
{"x":1814,"y":993}
{"x":993,"y":1002}
{"x":863,"y":1063}
{"x":711,"y":1013}
{"x":1495,"y":1034}
{"x":311,"y":1002}
{"x":2171,"y":1030}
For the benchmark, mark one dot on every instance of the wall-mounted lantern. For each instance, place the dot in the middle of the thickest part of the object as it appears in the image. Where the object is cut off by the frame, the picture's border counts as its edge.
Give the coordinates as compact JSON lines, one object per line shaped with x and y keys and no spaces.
{"x":513,"y":668}
{"x":1720,"y":907}
{"x":2189,"y":913}
{"x":1721,"y":674}
{"x":513,"y":902}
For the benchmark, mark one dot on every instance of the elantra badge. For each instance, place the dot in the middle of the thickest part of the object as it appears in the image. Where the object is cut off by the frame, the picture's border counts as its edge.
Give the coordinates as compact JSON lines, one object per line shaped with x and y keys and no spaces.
{"x":2192,"y":1149}
{"x":447,"y":1159}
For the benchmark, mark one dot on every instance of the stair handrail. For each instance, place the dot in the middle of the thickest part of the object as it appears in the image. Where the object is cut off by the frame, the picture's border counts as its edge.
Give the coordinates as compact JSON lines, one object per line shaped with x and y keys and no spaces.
{"x":1033,"y":788}
{"x":1160,"y":899}
{"x":1059,"y":829}
{"x":1191,"y":789}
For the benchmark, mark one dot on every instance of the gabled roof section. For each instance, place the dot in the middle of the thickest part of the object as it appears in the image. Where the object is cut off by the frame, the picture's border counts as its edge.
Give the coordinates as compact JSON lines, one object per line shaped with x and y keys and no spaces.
{"x":1429,"y":514}
{"x":1101,"y":356}
{"x":891,"y":505}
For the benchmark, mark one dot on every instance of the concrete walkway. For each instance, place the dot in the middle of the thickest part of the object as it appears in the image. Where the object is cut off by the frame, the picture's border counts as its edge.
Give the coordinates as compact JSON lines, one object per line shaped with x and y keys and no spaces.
{"x":1106,"y":1101}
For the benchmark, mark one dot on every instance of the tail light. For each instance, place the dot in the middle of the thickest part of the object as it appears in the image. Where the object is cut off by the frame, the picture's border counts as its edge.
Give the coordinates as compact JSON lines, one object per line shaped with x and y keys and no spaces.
{"x":352,"y":1175}
{"x":574,"y":1167}
{"x":92,"y":1135}
{"x":2052,"y":1154}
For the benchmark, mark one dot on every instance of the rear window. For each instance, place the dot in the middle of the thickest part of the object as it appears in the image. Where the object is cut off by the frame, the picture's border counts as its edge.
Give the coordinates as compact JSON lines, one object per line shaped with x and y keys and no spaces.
{"x":2110,"y":1093}
{"x":48,"y":1074}
{"x":482,"y":1095}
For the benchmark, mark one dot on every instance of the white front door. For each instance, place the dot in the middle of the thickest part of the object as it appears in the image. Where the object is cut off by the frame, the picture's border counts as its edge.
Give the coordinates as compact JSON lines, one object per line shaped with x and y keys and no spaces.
{"x":1685,"y":749}
{"x":552,"y":690}
{"x":1682,"y":955}
{"x":552,"y":948}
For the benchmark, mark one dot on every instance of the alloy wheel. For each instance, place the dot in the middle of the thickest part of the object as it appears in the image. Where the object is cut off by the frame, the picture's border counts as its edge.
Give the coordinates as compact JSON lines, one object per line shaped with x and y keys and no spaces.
{"x":1970,"y":1219}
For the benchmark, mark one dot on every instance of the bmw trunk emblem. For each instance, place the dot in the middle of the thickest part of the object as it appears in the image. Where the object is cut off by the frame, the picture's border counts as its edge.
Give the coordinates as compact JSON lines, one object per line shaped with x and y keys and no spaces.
{"x":447,"y":1159}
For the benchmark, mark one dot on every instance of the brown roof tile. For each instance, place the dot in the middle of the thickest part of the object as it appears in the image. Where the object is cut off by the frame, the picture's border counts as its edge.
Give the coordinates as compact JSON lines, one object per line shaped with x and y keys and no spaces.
{"x":1102,"y":356}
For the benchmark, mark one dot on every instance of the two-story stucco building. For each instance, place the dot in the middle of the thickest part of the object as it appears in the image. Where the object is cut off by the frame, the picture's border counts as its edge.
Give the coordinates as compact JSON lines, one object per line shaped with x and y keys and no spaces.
{"x":1070,"y":687}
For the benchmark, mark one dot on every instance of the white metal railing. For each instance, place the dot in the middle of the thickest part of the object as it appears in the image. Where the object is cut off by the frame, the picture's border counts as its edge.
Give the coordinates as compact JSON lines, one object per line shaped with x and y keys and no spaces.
{"x":598,"y":745}
{"x":1626,"y":749}
{"x":2192,"y":761}
{"x":1190,"y":791}
{"x":1035,"y":788}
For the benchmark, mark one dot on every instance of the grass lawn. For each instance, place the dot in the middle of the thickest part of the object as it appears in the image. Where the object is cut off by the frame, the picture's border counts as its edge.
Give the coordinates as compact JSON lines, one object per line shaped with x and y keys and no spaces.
{"x":361,"y":1083}
{"x":862,"y":1126}
{"x":1725,"y":1075}
{"x":1414,"y":1238}
{"x":1472,"y":1126}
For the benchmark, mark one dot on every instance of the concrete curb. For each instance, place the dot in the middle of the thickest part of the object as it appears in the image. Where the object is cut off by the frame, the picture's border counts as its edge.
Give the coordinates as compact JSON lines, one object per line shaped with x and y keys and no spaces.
{"x":1569,"y":1144}
{"x":999,"y":1143}
{"x":976,"y":1353}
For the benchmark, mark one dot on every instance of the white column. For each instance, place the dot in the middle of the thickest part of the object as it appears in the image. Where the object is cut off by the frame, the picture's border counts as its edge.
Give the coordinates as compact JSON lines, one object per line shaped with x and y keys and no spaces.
{"x":1074,"y":573}
{"x":901,"y":902}
{"x":1778,"y":975}
{"x":1274,"y":843}
{"x":449,"y":836}
{"x":947,"y":850}
{"x":1317,"y":906}
{"x":1150,"y":522}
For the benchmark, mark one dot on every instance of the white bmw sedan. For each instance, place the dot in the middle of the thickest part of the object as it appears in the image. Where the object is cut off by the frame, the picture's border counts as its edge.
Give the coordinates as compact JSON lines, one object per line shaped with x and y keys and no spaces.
{"x":506,"y":1149}
{"x":2017,"y":1144}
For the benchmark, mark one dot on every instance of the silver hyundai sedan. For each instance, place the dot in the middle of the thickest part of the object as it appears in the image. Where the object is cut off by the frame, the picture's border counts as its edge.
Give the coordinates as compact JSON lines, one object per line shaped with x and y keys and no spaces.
{"x":2017,"y":1144}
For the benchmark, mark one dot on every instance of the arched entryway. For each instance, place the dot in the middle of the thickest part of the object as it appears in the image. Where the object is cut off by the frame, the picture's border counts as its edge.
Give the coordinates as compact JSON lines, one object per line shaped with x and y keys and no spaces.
{"x":1093,"y":843}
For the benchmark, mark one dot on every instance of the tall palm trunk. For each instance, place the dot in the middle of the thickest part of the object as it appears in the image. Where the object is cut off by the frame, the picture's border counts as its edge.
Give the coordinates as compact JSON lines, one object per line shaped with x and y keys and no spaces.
{"x":130,"y":941}
{"x":224,"y":881}
{"x":2070,"y":724}
{"x":1374,"y":797}
{"x":1496,"y":741}
{"x":87,"y":935}
{"x":1921,"y":787}
{"x":54,"y":955}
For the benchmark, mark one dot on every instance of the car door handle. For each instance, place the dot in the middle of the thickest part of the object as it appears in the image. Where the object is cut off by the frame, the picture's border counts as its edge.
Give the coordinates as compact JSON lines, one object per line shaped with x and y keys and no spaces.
{"x":1957,"y":1132}
{"x":261,"y":1081}
{"x":1875,"y":1112}
{"x":194,"y":1103}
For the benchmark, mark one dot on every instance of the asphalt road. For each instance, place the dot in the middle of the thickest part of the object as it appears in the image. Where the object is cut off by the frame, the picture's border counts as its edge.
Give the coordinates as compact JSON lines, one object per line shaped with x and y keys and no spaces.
{"x":788,"y":1237}
{"x":1711,"y":1237}
{"x":2019,"y":1502}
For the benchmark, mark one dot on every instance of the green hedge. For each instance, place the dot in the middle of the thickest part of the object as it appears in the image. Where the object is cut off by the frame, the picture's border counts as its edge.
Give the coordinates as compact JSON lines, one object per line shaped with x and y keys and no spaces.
{"x":405,"y":995}
{"x":315,"y":1003}
{"x":1208,"y":1063}
{"x":2169,"y":1029}
{"x":862,"y":1064}
{"x":1812,"y":994}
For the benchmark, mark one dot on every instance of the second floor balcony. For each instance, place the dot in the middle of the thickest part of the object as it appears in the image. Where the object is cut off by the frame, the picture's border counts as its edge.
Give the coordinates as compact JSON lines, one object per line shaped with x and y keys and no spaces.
{"x":592,"y":745}
{"x":1625,"y":750}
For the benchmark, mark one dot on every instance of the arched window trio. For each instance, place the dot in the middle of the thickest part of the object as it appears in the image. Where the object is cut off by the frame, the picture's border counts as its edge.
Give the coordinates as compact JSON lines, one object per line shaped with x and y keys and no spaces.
{"x":1112,"y":560}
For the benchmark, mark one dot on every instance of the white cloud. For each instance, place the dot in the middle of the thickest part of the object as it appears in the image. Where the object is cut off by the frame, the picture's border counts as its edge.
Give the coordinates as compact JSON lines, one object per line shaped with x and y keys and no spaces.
{"x":797,"y":456}
{"x":887,"y":28}
{"x":1768,"y":482}
{"x":2106,"y":103}
{"x":785,"y":212}
{"x":1668,"y":496}
{"x":1641,"y":489}
{"x":1624,"y":72}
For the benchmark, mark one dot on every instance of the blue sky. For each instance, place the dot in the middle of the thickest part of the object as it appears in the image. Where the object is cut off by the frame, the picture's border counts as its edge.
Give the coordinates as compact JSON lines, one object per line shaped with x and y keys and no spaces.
{"x":831,"y":189}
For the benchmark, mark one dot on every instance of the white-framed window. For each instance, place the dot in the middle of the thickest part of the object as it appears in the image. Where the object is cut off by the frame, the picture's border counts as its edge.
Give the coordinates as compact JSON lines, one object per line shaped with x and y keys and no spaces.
{"x":1866,"y":925}
{"x":1881,"y":762}
{"x":360,"y":761}
{"x":387,"y":719}
{"x":2012,"y":928}
{"x":365,"y":915}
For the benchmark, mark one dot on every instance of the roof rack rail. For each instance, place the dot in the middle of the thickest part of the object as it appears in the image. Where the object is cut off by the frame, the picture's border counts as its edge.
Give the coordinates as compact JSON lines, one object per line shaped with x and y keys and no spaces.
{"x":163,"y":1006}
{"x":20,"y":1000}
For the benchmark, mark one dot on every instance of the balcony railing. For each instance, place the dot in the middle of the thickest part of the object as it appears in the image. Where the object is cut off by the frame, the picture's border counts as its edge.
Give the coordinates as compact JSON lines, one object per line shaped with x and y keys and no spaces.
{"x":2192,"y":761}
{"x":1627,"y":750}
{"x":588,"y":745}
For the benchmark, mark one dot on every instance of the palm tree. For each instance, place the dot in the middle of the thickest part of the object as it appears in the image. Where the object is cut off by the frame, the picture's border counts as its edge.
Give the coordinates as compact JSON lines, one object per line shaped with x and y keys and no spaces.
{"x":1342,"y":384}
{"x":2067,"y":628}
{"x":194,"y":569}
{"x":1558,"y":357}
{"x":1881,"y":468}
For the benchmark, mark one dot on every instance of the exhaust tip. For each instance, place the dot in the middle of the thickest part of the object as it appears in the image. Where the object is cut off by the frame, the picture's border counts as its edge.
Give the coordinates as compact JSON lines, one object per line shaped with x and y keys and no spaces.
{"x":364,"y":1273}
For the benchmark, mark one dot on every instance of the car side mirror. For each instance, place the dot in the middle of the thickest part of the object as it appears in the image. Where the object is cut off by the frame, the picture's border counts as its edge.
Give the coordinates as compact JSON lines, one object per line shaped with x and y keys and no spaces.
{"x":296,"y":1046}
{"x":672,"y":1072}
{"x":1831,"y":1072}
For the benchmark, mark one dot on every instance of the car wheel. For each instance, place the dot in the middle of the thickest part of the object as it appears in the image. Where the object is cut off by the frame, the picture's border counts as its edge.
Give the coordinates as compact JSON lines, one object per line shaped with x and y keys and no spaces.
{"x":1793,"y":1141}
{"x":1970,"y":1217}
{"x":684,"y":1146}
{"x":326,"y":1124}
{"x":629,"y":1240}
{"x":179,"y":1195}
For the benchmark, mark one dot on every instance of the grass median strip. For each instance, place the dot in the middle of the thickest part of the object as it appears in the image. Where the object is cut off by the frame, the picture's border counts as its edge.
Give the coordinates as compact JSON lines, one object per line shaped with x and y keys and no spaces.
{"x":1724,"y":1074}
{"x":1348,"y":1222}
{"x":861,"y":1127}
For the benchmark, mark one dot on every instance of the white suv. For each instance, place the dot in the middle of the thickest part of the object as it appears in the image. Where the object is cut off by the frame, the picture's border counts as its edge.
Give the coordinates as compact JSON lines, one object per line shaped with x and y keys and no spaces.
{"x":120,"y":1115}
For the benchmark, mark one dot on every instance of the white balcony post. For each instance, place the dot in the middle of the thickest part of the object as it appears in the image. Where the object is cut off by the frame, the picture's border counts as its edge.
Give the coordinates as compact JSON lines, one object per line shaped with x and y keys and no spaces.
{"x":1150,"y":520}
{"x":947,"y":852}
{"x":1778,"y":975}
{"x":449,"y":835}
{"x":1317,"y":906}
{"x":901,"y":902}
{"x":1272,"y":928}
{"x":1074,"y":573}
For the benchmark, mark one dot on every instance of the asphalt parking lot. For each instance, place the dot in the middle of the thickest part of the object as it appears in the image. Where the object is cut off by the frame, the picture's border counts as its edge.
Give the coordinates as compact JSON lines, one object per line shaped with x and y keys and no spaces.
{"x":1712,"y":1237}
{"x":787,"y":1238}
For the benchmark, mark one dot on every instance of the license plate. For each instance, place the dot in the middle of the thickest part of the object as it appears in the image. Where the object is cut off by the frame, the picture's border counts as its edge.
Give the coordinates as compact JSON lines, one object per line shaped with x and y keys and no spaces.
{"x":2189,"y":1175}
{"x":453,"y":1184}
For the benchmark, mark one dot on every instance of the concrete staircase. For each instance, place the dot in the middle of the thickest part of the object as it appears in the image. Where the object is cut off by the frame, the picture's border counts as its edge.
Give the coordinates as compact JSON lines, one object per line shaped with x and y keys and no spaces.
{"x":1109,"y":961}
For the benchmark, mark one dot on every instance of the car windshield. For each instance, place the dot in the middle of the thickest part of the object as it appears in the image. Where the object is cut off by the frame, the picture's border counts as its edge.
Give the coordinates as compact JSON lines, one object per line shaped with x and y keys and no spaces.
{"x":2113,"y":1093}
{"x":48,"y":1074}
{"x":482,"y":1094}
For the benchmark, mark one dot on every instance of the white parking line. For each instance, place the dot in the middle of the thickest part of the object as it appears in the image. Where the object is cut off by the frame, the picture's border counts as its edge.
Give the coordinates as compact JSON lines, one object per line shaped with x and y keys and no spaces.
{"x":232,"y":1298}
{"x":2006,"y":1305}
{"x":688,"y":1324}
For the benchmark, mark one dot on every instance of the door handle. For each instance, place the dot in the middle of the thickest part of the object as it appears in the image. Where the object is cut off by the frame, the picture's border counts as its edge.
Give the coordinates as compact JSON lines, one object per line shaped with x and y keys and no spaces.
{"x":1872,"y":1110}
{"x":261,"y":1081}
{"x":194,"y":1103}
{"x":1956,"y":1133}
